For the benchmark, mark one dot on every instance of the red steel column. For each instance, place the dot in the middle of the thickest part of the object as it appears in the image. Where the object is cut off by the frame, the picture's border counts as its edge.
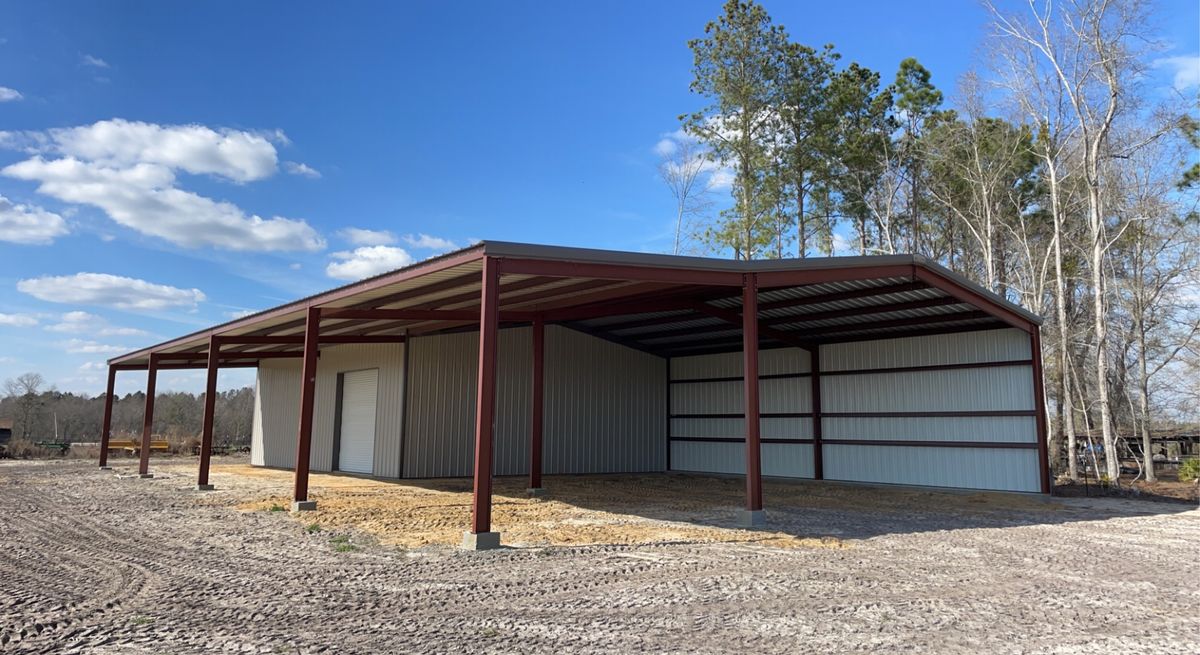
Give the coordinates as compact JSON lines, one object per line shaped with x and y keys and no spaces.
{"x":308,"y":391}
{"x":535,"y":436}
{"x":750,"y":376}
{"x":485,"y":400}
{"x":210,"y":408}
{"x":1039,"y":404}
{"x":818,"y":451}
{"x":106,"y":426}
{"x":148,"y":417}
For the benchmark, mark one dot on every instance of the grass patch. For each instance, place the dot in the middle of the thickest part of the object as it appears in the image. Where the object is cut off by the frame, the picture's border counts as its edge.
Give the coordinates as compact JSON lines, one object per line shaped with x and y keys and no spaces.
{"x":313,"y":528}
{"x":276,"y":508}
{"x":142,"y":620}
{"x":341,"y":544}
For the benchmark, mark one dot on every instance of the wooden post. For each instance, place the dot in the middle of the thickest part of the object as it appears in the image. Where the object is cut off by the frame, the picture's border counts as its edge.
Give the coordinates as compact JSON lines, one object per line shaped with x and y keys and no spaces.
{"x":481,"y":537}
{"x":308,"y":391}
{"x":536,"y":418}
{"x":753,"y":515}
{"x":148,"y":418}
{"x":210,"y":408}
{"x":106,"y":426}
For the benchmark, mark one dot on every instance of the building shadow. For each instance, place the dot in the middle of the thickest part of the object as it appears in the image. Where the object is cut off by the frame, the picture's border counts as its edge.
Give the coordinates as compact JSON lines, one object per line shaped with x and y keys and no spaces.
{"x":810,"y":509}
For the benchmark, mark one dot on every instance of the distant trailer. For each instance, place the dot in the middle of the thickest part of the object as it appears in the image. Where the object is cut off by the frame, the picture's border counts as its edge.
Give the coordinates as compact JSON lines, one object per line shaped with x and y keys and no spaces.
{"x":513,"y":359}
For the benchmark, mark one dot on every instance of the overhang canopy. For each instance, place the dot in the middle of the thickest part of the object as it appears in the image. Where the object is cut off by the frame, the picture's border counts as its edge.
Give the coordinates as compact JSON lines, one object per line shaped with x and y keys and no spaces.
{"x":663,"y":304}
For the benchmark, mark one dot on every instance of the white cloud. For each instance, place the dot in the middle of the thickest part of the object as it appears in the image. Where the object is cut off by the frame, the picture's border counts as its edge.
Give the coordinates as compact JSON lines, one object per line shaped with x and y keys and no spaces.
{"x":78,"y":322}
{"x":362,"y":237}
{"x":9,"y":95}
{"x":367,"y":261}
{"x":426,"y":242}
{"x":93,"y":61}
{"x":17,"y":320}
{"x":295,"y":266}
{"x":1185,"y":68}
{"x":93,"y":366}
{"x":109,"y":291}
{"x":241,"y":313}
{"x":237,"y":155}
{"x":665,"y":147}
{"x":87,"y":347}
{"x":128,"y":169}
{"x":303,"y":170}
{"x":29,"y":223}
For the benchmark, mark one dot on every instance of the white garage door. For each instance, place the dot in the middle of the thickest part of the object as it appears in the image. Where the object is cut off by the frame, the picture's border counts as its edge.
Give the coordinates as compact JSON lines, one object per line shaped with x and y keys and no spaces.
{"x":357,"y":452}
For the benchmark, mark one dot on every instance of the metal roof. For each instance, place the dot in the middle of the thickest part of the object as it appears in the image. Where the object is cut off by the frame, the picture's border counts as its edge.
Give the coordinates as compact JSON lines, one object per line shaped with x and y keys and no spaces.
{"x":664,"y":304}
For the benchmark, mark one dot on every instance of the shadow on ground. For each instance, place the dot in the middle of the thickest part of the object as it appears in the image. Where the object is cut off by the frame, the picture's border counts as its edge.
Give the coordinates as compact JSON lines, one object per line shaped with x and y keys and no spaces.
{"x":654,"y":508}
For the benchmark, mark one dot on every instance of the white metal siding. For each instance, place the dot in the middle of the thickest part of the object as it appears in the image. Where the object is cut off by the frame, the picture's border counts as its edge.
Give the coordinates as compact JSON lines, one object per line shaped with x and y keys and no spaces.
{"x":604,"y":405}
{"x":786,"y":395}
{"x":278,"y":406}
{"x":356,"y":438}
{"x":972,"y":468}
{"x":960,"y":348}
{"x":987,"y":389}
{"x":980,"y":389}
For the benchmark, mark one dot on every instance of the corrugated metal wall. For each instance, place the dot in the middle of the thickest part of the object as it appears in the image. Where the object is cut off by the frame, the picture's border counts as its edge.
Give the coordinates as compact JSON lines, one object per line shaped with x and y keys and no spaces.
{"x":878,"y":406}
{"x":277,"y":406}
{"x":700,"y":442}
{"x":604,"y":405}
{"x":908,"y":397}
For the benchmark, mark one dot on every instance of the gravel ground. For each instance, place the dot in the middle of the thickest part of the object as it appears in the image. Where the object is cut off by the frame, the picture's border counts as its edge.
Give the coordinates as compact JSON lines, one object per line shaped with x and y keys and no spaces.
{"x":101,"y":563}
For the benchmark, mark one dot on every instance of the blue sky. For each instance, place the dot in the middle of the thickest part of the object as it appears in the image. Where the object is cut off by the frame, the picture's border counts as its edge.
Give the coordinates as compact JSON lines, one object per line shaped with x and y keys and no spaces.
{"x":166,"y":166}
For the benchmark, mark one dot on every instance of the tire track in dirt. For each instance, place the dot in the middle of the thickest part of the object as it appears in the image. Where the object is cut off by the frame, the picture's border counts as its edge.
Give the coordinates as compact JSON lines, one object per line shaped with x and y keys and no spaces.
{"x":92,"y":563}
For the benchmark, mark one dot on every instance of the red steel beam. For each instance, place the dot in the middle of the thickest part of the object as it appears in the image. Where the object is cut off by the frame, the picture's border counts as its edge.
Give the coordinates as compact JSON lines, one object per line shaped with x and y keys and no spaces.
{"x":470,"y":296}
{"x":202,"y":356}
{"x":536,"y":418}
{"x":424,"y":268}
{"x":106,"y":426}
{"x":210,"y":408}
{"x":308,"y":392}
{"x":750,"y":380}
{"x":865,"y":310}
{"x":485,"y":398}
{"x":400,"y":314}
{"x":1039,"y":401}
{"x":613,"y":292}
{"x":632,"y":273}
{"x":849,"y":294}
{"x":896,"y":322}
{"x":971,"y":297}
{"x":148,"y":416}
{"x":731,"y":316}
{"x":769,"y":279}
{"x":662,"y":302}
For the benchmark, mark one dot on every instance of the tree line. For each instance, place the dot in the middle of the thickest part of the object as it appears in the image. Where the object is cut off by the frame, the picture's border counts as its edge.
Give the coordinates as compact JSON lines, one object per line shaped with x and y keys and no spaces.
{"x":1054,"y":177}
{"x":40,"y":412}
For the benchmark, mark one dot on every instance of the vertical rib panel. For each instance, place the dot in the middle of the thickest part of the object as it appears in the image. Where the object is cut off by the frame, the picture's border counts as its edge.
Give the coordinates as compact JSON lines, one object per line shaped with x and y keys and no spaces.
{"x":279,"y":398}
{"x":604,"y":405}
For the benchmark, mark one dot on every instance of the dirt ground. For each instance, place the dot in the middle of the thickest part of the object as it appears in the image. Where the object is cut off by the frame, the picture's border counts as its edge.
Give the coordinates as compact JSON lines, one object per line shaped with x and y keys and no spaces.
{"x":1167,"y":488}
{"x":103,"y":562}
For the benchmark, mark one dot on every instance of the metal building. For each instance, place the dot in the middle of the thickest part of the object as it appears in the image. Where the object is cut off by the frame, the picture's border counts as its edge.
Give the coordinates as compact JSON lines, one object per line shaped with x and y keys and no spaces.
{"x":514,"y":359}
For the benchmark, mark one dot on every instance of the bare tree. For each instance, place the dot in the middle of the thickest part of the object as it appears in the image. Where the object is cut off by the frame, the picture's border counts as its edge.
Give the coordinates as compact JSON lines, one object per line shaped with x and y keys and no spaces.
{"x":1089,"y":46}
{"x":25,"y":390}
{"x":683,"y":169}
